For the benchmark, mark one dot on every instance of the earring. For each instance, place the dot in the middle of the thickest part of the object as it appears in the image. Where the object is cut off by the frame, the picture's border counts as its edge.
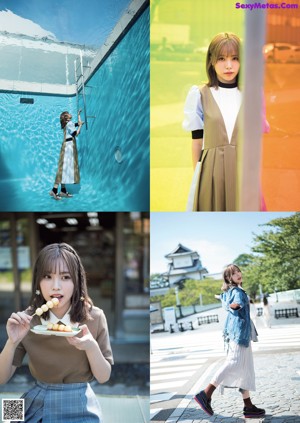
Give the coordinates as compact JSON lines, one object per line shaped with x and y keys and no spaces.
{"x":81,"y":298}
{"x":38,"y":292}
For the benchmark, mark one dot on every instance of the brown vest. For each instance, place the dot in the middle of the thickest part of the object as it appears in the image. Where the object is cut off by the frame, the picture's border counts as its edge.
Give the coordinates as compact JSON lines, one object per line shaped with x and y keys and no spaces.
{"x":217,"y":183}
{"x":215,"y":133}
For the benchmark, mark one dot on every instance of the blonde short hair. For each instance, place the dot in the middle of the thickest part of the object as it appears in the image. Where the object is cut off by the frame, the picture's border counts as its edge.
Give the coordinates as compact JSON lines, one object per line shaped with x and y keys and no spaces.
{"x":224,"y":43}
{"x":227,"y":276}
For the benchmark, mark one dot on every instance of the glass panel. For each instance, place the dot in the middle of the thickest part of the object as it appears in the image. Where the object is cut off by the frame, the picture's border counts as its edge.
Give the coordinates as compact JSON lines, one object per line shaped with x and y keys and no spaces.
{"x":136,"y":257}
{"x":23,"y":247}
{"x":6,"y":272}
{"x":31,"y":53}
{"x":29,"y":60}
{"x":135,"y":316}
{"x":281,"y":148}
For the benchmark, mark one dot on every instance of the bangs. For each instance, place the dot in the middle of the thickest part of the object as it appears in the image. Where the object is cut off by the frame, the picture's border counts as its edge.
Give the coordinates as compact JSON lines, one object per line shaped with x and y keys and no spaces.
{"x":54,"y":260}
{"x":55,"y":265}
{"x":229,"y":47}
{"x":232,"y":268}
{"x":229,"y":271}
{"x":224,"y":45}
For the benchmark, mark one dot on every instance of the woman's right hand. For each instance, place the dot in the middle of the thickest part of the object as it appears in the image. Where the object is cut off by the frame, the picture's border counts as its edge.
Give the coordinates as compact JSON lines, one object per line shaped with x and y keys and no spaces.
{"x":18,"y":326}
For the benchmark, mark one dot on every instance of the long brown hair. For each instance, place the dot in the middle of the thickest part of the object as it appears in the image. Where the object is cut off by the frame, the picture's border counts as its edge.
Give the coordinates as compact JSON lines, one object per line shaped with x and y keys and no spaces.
{"x":224,"y":43}
{"x":227,"y":276}
{"x":46,"y":262}
{"x":63,"y":119}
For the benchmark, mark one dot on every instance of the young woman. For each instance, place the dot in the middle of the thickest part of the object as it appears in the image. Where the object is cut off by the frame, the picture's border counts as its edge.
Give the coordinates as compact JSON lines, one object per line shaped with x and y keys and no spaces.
{"x":266,"y":312}
{"x":62,"y":366}
{"x":68,"y":169}
{"x":212,"y":115}
{"x":238,"y":369}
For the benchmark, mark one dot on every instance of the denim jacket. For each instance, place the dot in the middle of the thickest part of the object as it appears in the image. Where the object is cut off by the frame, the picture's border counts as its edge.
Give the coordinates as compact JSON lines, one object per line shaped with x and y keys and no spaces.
{"x":237,"y":326}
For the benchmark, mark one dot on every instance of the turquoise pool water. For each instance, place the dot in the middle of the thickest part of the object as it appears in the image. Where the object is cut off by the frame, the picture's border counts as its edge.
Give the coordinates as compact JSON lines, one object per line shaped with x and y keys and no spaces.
{"x":30,"y":137}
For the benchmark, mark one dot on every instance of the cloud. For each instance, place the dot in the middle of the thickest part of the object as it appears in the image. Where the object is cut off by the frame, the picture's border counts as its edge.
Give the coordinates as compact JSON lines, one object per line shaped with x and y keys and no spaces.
{"x":214,"y":256}
{"x":14,"y":24}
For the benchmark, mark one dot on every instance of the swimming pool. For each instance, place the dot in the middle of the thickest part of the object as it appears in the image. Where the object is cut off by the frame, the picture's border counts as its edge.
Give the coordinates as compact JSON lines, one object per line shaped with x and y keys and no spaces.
{"x":113,"y":152}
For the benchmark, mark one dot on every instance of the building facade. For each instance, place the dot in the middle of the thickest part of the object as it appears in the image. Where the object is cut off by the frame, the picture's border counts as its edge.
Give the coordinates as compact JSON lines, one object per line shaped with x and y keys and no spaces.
{"x":184,"y":264}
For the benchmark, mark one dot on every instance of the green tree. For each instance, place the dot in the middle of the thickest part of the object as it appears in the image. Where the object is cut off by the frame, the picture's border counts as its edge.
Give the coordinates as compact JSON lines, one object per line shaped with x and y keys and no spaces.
{"x":167,"y":300}
{"x":190,"y":293}
{"x":155,"y":276}
{"x":244,"y":260}
{"x":275,"y":262}
{"x":279,"y":251}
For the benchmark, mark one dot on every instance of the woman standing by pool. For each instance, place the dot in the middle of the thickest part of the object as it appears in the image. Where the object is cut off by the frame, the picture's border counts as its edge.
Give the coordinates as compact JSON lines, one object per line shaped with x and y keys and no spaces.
{"x":68,"y":169}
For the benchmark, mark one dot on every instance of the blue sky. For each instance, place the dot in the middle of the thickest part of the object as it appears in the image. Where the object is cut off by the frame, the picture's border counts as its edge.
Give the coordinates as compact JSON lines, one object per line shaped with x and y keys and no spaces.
{"x":219,"y":238}
{"x":84,"y":22}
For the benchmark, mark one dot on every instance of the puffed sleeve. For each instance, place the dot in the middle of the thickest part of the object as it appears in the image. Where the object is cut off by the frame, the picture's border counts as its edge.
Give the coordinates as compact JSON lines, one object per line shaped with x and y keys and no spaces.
{"x":193,"y":111}
{"x":71,"y":129}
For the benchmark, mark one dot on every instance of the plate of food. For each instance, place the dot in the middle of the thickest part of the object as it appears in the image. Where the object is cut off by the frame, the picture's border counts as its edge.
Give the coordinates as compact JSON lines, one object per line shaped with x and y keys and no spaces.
{"x":55,"y":329}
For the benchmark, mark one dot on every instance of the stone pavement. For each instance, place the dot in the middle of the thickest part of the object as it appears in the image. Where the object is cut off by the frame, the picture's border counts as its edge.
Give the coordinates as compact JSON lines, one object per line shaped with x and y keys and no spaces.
{"x":277,"y":390}
{"x":277,"y":369}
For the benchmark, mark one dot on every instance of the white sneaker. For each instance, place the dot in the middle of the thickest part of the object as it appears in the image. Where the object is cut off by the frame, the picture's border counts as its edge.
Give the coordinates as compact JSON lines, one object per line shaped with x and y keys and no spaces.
{"x":55,"y":196}
{"x":65,"y":194}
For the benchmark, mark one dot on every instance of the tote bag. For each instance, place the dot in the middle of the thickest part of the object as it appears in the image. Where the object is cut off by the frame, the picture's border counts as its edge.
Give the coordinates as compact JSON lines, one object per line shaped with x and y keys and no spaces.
{"x":194,"y":190}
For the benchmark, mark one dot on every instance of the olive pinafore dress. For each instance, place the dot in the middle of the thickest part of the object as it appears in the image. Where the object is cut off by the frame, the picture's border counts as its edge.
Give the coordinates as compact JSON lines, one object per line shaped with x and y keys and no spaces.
{"x":216,"y":190}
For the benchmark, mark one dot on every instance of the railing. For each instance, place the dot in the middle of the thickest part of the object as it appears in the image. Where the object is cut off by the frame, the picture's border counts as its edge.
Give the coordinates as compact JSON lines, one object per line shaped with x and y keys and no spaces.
{"x":213,"y":318}
{"x":80,"y":86}
{"x":183,"y":326}
{"x":286,"y":312}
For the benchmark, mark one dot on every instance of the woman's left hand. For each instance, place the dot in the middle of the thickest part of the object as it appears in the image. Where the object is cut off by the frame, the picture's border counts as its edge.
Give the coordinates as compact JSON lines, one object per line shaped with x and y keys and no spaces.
{"x":84,"y":343}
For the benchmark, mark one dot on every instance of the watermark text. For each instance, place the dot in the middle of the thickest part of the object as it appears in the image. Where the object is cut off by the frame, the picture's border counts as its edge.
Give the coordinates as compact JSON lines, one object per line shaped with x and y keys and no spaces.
{"x":258,"y":5}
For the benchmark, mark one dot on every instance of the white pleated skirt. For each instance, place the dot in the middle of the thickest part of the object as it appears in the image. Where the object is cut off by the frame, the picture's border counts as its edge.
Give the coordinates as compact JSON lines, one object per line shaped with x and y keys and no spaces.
{"x":238,"y":369}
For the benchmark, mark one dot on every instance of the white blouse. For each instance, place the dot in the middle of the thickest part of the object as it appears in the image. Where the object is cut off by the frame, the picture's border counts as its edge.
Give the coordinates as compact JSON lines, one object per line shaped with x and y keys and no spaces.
{"x":65,"y":319}
{"x":70,"y":129}
{"x":228,"y":100}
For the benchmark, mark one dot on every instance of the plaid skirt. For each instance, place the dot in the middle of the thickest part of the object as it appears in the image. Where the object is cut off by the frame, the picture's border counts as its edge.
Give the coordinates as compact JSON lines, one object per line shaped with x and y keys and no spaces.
{"x":62,"y":403}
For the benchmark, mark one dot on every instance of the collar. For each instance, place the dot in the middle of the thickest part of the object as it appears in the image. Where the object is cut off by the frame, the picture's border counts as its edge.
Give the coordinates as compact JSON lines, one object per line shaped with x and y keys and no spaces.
{"x":222,"y":85}
{"x":53,"y":319}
